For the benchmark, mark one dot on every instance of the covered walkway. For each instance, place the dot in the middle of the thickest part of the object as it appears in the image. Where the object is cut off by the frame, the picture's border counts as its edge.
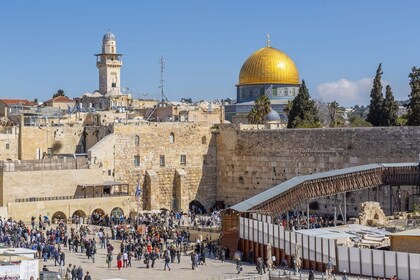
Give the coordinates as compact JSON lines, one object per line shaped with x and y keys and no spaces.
{"x":289,"y":194}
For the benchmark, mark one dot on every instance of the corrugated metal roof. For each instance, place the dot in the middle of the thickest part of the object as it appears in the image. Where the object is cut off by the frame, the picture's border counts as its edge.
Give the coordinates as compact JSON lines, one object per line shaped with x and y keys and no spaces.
{"x":295,"y":181}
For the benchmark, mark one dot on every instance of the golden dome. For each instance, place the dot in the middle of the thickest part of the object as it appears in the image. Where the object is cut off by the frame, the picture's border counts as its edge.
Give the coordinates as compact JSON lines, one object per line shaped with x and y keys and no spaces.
{"x":269,"y":66}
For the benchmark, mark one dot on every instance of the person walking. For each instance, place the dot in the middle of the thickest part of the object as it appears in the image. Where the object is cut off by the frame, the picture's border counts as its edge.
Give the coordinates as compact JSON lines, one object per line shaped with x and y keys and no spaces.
{"x":311,"y":275}
{"x":109,"y":259}
{"x":193,"y":260}
{"x":79,"y":273}
{"x":74,"y":273}
{"x":119,"y":261}
{"x":167,"y":260}
{"x":68,"y":273}
{"x":251,"y":256}
{"x":62,"y":258}
{"x":125,"y":259}
{"x":87,"y":277}
{"x":330,"y":268}
{"x":93,"y":253}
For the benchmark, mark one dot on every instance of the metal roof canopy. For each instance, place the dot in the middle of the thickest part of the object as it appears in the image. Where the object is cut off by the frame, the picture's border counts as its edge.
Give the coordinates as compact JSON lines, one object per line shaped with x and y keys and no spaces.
{"x":278,"y":190}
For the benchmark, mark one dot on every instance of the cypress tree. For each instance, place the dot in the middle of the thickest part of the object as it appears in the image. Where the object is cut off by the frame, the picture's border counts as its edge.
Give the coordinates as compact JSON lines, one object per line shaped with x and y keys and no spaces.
{"x":389,"y":109}
{"x":376,"y":100}
{"x":414,"y":104}
{"x":303,"y":112}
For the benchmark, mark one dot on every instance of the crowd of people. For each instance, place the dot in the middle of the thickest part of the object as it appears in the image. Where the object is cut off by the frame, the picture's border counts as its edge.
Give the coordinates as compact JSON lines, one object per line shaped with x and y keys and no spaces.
{"x":147,"y":238}
{"x":299,"y":220}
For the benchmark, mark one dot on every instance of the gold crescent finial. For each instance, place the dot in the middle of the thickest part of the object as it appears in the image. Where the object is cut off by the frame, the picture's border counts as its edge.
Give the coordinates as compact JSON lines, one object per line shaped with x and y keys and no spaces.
{"x":268,"y":39}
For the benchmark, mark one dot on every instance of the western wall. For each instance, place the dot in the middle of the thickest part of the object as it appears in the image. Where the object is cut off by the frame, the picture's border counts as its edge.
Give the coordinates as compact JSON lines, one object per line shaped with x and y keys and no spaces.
{"x":177,"y":163}
{"x":251,"y":159}
{"x":150,"y":154}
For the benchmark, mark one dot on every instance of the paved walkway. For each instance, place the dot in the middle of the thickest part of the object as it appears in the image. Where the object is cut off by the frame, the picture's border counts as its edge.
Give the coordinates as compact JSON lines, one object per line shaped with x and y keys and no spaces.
{"x":214,"y":270}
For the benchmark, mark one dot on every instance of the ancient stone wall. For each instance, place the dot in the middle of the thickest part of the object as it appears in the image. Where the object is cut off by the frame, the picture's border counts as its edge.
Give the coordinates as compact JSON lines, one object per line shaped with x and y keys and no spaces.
{"x":162,"y":149}
{"x":36,"y":140}
{"x":251,"y":161}
{"x":46,"y":183}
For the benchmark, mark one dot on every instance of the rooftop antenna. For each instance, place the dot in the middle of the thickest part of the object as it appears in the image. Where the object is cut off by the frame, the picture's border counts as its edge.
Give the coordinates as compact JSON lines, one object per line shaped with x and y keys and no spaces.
{"x":162,"y":92}
{"x":268,"y":40}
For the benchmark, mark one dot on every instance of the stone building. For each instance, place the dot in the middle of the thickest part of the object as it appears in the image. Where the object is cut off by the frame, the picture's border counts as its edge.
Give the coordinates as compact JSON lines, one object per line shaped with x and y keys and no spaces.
{"x":61,"y":102}
{"x":10,"y":106}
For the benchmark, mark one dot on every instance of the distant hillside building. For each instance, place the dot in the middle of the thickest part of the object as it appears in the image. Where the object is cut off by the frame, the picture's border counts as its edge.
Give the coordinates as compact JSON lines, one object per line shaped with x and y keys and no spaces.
{"x":61,"y":102}
{"x":14,"y":106}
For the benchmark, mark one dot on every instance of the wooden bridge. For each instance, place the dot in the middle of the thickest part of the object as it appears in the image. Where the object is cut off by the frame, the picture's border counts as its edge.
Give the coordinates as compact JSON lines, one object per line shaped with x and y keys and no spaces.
{"x":301,"y":189}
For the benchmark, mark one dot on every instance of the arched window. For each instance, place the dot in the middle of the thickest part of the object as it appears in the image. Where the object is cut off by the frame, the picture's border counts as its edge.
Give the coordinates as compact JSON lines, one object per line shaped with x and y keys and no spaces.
{"x":137,"y":140}
{"x":203,"y":140}
{"x":171,"y":137}
{"x":112,"y":49}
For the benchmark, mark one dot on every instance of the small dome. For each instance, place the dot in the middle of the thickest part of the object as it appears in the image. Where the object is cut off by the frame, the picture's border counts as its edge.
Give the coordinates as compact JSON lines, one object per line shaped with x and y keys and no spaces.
{"x":108,"y":36}
{"x":269,"y":66}
{"x":272,"y":116}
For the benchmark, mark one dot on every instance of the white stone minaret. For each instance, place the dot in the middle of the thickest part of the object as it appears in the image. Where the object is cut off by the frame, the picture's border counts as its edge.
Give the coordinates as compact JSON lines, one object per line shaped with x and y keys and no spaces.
{"x":109,"y":64}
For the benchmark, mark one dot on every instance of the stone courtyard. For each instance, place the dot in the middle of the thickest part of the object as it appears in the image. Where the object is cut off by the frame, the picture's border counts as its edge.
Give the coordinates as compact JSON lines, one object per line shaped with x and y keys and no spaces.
{"x":214,"y":269}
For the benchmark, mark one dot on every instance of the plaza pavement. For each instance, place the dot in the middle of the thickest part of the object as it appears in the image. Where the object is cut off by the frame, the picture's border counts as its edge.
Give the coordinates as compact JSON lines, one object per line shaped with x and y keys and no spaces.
{"x":214,"y":270}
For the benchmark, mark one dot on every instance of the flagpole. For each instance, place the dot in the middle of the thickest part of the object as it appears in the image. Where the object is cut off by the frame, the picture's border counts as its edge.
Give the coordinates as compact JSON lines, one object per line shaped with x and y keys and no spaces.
{"x":138,"y":197}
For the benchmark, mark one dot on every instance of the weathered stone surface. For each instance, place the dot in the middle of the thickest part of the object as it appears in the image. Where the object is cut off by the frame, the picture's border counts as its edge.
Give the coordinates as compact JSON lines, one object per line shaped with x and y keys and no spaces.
{"x":371,"y":214}
{"x":246,"y":158}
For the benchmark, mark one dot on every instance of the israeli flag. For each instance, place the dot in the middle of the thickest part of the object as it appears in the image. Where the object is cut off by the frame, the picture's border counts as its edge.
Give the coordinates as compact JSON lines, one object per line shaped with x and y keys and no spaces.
{"x":138,"y":191}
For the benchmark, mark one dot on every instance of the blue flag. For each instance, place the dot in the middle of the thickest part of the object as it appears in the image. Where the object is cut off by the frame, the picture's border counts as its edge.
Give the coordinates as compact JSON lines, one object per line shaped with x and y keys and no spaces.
{"x":138,"y":191}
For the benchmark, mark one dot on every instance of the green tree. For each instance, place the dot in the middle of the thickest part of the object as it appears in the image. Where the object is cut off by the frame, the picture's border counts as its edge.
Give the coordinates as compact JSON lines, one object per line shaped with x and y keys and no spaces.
{"x":261,"y":108}
{"x":335,"y":113}
{"x":357,"y":121}
{"x":376,"y":100}
{"x":59,"y":92}
{"x":389,"y":109}
{"x":253,"y":117}
{"x":413,"y":114}
{"x":303,"y":113}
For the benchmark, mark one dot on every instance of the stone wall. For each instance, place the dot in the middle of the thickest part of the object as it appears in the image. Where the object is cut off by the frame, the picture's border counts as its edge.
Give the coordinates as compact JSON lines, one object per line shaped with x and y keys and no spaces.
{"x":47,"y":183}
{"x":36,"y":140}
{"x":251,"y":161}
{"x":194,"y":140}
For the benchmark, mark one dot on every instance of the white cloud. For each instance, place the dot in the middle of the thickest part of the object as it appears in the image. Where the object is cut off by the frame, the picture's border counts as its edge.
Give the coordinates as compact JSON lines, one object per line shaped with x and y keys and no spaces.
{"x":347,"y":93}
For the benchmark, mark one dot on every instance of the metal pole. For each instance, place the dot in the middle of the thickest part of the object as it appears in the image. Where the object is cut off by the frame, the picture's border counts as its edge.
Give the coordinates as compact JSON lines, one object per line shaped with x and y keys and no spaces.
{"x":307,"y":215}
{"x":345,"y":207}
{"x":335,"y":210}
{"x":287,"y":220}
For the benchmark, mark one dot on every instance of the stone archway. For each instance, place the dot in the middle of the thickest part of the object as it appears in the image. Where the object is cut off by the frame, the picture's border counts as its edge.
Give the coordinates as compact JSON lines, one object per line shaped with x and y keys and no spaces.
{"x":97,"y":217}
{"x":79,"y":213}
{"x":78,"y":216}
{"x":57,"y":216}
{"x":197,"y":207}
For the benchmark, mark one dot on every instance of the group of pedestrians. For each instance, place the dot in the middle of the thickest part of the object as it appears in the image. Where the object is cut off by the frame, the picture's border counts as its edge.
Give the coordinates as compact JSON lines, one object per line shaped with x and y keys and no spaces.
{"x":148,"y":238}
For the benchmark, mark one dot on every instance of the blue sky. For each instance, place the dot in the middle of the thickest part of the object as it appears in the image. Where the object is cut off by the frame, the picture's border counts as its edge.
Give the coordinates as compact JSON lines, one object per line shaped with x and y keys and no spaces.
{"x":336,"y":45}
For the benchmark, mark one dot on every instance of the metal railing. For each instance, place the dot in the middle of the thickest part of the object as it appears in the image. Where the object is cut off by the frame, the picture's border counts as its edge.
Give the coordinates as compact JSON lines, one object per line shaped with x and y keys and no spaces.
{"x":45,"y":164}
{"x":65,"y":197}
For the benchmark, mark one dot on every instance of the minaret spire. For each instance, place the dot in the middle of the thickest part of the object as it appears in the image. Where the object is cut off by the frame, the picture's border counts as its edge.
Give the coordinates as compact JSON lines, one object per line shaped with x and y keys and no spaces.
{"x":268,"y":40}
